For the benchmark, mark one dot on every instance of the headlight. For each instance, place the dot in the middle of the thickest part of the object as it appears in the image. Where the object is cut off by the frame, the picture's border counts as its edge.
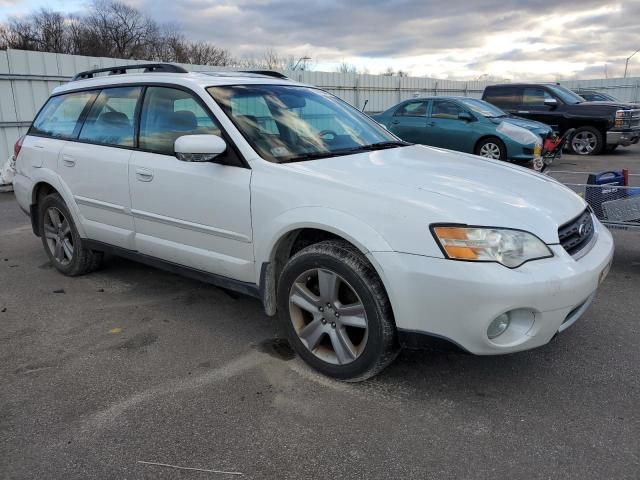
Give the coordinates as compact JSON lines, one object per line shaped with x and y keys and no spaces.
{"x":623,"y":119}
{"x":509,"y":247}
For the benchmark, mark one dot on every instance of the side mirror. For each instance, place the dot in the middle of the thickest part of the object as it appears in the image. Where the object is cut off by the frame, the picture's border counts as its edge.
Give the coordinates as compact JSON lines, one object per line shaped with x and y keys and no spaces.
{"x":199,"y":148}
{"x":551,"y":102}
{"x":466,"y":116}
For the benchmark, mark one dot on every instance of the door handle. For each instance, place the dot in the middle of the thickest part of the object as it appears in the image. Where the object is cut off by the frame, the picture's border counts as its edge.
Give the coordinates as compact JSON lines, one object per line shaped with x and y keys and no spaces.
{"x":68,"y":160}
{"x":395,"y":122}
{"x":144,"y":174}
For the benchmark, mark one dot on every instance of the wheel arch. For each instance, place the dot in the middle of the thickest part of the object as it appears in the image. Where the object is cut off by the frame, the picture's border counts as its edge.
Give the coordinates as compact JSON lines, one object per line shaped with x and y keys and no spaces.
{"x":293,"y":231}
{"x":45,"y":183}
{"x":487,"y":137}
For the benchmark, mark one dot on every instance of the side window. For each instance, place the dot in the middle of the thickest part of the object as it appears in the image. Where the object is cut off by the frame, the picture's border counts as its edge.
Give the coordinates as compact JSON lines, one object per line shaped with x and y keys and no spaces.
{"x":534,"y":96}
{"x":112,"y":117}
{"x":412,"y":109}
{"x":169,"y":113}
{"x":60,"y":115}
{"x":444,"y":109}
{"x":503,"y":96}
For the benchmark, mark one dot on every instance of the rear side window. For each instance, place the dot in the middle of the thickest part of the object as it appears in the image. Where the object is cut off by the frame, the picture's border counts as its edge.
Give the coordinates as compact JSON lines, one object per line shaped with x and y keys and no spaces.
{"x":503,"y":96}
{"x":169,"y":113}
{"x":112,"y":117}
{"x":59,"y":117}
{"x":412,"y":109}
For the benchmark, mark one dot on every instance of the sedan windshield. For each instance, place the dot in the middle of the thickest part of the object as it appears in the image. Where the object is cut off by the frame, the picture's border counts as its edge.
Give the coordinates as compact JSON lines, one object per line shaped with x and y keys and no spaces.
{"x":566,"y":95}
{"x":482,"y":108}
{"x":290,"y":123}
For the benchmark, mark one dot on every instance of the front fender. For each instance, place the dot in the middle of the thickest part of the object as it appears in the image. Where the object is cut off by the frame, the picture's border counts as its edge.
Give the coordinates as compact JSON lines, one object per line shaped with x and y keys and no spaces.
{"x":340,"y":223}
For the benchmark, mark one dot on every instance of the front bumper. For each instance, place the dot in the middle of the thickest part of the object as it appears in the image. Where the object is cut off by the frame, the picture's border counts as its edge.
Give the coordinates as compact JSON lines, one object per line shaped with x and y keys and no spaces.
{"x":624,"y":138}
{"x":458,"y":300}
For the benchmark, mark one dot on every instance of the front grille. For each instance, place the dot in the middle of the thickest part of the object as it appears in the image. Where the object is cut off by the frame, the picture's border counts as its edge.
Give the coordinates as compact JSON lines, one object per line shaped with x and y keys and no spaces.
{"x":577,"y":233}
{"x":635,"y":118}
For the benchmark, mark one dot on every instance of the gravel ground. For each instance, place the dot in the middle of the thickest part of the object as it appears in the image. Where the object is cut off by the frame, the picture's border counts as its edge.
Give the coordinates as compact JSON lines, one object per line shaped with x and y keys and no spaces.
{"x":131,"y":364}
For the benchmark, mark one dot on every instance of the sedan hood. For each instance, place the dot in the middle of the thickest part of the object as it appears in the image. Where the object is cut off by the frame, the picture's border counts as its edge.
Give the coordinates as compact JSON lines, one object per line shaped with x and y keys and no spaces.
{"x":536,"y":127}
{"x":445,"y":186}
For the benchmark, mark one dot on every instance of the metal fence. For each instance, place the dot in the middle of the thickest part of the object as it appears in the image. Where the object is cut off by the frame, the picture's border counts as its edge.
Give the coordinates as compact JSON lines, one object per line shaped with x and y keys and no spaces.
{"x":27,"y":78}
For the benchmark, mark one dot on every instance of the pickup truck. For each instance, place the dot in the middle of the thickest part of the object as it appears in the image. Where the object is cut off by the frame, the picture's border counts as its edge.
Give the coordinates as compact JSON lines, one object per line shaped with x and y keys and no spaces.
{"x":599,"y":126}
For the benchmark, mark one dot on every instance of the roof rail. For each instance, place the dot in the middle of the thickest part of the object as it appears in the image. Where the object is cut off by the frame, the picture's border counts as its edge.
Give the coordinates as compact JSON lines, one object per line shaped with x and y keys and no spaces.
{"x":267,"y":73}
{"x":122,"y":69}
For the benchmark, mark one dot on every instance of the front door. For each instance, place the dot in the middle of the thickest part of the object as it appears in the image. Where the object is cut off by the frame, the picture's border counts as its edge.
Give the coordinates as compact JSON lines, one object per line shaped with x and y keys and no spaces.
{"x":534,"y":108}
{"x":192,"y":214}
{"x":409,"y":121}
{"x":445,"y":129}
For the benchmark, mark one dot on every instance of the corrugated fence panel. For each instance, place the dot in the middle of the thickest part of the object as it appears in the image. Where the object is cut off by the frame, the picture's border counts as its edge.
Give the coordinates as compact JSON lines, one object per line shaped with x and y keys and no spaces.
{"x":27,"y":78}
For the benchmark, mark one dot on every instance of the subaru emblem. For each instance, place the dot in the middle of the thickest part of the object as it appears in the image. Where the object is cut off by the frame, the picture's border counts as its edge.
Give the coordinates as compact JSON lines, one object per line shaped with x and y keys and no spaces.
{"x":581,"y":229}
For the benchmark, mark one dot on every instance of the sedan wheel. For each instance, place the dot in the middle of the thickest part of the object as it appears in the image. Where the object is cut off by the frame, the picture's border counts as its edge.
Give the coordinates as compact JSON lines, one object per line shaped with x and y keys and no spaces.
{"x":57,"y":232}
{"x":490,"y":150}
{"x":328,"y":316}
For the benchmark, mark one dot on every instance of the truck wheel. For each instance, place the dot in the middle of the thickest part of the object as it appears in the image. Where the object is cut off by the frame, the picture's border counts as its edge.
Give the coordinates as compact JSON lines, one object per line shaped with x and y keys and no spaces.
{"x":586,"y":141}
{"x":61,"y":240}
{"x":493,"y":148}
{"x":335,"y":312}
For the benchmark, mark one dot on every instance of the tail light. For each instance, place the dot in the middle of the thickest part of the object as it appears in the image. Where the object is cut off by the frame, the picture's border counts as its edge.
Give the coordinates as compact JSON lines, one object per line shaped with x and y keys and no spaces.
{"x":17,"y":146}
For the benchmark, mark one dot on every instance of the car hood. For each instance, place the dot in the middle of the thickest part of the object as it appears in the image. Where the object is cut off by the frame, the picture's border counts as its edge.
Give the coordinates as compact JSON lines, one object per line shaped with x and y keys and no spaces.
{"x":617,"y":105}
{"x":447,"y":186}
{"x":538,"y":128}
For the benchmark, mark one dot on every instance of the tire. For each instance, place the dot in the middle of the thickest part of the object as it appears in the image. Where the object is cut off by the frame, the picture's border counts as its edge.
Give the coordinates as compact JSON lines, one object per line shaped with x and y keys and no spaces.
{"x":586,"y":141}
{"x":359,"y":311}
{"x":61,"y":241}
{"x":492,"y":147}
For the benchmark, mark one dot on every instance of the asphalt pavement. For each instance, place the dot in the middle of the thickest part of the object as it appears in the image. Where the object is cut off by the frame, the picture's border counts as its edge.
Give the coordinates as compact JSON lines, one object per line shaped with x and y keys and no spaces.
{"x":102,"y":373}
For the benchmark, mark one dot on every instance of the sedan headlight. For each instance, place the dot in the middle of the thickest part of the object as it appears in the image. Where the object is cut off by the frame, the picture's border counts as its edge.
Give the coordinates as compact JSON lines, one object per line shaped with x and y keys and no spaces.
{"x":508,"y":247}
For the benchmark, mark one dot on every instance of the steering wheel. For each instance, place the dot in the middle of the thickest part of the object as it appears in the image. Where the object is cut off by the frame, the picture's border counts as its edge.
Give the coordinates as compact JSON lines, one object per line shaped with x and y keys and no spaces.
{"x":325,"y":133}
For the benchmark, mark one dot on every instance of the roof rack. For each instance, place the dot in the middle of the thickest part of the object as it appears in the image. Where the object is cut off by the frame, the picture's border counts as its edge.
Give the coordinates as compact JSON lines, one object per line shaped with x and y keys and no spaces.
{"x":122,"y":69}
{"x":267,"y":73}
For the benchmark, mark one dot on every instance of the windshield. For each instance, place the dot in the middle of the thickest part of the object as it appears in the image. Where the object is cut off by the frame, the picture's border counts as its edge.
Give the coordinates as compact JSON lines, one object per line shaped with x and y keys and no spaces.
{"x":566,"y":95}
{"x":289,"y":123}
{"x":482,"y":108}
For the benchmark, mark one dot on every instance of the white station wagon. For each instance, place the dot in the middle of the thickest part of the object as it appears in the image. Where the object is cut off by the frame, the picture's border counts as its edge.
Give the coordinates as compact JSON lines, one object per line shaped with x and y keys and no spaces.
{"x":359,"y":242}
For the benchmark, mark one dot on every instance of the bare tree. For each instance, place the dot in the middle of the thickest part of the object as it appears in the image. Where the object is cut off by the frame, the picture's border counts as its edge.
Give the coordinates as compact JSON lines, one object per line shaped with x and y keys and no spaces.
{"x":345,"y":67}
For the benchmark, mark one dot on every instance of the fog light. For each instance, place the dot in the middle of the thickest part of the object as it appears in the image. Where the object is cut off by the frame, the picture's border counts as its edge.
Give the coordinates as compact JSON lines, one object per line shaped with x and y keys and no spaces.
{"x":498,"y":326}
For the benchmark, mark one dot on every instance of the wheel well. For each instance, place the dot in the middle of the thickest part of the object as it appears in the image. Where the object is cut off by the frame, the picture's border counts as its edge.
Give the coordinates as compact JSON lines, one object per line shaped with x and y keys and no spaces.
{"x":40,"y":191}
{"x":290,"y":244}
{"x":487,"y":137}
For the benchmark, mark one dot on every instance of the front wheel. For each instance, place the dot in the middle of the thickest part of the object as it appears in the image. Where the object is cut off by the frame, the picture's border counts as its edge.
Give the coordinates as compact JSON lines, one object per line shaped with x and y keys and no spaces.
{"x":492,"y":148}
{"x":335,"y":311}
{"x":586,"y":141}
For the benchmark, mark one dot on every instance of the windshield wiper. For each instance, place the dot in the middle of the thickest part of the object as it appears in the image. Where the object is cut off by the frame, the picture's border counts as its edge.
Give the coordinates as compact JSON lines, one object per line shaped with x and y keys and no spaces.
{"x":346,"y":151}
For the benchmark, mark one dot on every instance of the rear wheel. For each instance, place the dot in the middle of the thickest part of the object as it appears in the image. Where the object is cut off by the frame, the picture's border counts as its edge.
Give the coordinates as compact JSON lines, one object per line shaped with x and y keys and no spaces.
{"x":493,"y":148}
{"x":335,"y":311}
{"x":65,"y":248}
{"x":586,"y":141}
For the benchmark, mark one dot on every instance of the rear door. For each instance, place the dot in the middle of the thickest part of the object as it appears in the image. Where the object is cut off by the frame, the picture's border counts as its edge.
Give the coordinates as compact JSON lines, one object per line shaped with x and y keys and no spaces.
{"x":193,"y":214}
{"x":409,"y":121}
{"x":446,"y":130}
{"x":508,"y":98}
{"x":95,"y":167}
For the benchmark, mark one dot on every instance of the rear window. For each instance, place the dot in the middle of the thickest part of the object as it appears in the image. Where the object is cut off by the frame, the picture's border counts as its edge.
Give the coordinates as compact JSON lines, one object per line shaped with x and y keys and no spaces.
{"x":59,"y":117}
{"x":502,"y":96}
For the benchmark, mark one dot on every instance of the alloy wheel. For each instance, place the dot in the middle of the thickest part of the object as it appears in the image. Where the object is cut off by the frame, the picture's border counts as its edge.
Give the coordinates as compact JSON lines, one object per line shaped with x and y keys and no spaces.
{"x":490,"y":150}
{"x":328,"y":316}
{"x":57,"y":232}
{"x":584,"y":143}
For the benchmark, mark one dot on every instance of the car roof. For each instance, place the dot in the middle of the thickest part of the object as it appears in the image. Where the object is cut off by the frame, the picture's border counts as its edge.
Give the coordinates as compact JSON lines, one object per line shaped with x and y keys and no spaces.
{"x":542,"y":84}
{"x":441,"y":97}
{"x":190,"y":79}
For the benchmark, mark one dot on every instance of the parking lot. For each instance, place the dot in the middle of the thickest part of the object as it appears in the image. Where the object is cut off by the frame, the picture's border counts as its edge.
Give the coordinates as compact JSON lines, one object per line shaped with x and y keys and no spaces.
{"x":102,"y":373}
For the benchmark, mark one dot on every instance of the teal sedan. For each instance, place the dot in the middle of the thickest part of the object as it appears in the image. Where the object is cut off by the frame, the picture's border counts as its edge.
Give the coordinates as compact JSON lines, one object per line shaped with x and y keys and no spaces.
{"x":466,"y":125}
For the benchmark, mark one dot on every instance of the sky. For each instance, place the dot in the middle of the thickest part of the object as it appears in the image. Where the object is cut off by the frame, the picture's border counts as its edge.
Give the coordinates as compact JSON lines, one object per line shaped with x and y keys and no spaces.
{"x":466,"y":40}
